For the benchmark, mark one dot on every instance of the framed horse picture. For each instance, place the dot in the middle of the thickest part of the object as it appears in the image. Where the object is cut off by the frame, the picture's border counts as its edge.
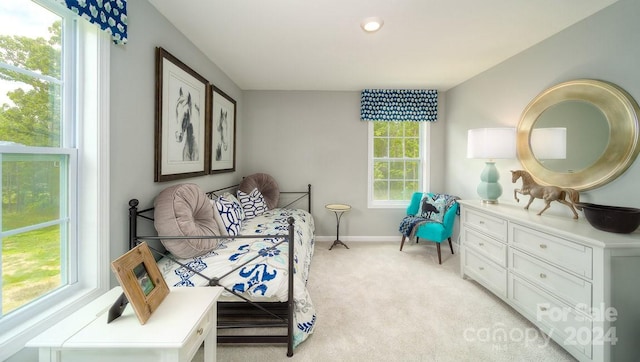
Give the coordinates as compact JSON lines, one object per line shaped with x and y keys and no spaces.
{"x":182,"y":113}
{"x":223,"y":132}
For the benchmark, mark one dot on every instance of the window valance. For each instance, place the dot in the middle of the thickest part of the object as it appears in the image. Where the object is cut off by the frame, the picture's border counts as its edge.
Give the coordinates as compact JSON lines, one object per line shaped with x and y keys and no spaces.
{"x":109,"y":15}
{"x":399,"y":105}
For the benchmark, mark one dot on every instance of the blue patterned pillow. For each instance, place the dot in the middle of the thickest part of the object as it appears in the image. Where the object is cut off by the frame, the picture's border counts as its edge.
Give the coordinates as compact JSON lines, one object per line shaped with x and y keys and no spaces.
{"x":228,"y":214}
{"x":252,"y":203}
{"x":232,"y":197}
{"x":432,"y":207}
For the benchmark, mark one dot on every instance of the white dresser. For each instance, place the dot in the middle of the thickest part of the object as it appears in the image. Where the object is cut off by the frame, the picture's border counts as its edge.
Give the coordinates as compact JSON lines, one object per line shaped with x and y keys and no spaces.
{"x":579,"y":285}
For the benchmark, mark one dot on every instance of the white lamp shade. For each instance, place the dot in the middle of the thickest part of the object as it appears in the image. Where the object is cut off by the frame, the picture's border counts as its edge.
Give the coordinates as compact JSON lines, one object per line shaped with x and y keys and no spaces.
{"x":491,"y":143}
{"x":549,"y":143}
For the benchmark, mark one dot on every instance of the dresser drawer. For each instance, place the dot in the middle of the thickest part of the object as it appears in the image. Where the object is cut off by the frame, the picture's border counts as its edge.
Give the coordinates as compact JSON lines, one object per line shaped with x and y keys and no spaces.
{"x":489,"y":225}
{"x":565,"y":254}
{"x":569,"y":328}
{"x":485,"y":272}
{"x":573,"y":290}
{"x":485,"y":246}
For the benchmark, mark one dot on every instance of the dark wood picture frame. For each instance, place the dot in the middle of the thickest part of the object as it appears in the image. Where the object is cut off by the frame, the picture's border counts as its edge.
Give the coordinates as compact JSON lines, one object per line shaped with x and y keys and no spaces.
{"x":223,"y":132}
{"x":141,"y":281}
{"x":182,"y":120}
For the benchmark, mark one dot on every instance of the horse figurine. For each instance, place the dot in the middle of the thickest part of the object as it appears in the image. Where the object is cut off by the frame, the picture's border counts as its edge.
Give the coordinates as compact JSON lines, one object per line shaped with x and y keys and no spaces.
{"x":547,"y":193}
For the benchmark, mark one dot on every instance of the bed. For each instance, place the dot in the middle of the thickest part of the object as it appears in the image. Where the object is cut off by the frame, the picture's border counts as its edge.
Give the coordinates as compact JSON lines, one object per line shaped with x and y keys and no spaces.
{"x":263,"y":274}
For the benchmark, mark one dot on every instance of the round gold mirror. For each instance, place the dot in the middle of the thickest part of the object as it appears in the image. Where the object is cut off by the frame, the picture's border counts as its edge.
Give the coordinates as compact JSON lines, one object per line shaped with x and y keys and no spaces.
{"x":598,"y":125}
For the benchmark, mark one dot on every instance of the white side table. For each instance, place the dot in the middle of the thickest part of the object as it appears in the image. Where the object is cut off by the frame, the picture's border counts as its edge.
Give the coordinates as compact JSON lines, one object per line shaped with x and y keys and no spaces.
{"x":174,"y":332}
{"x":338,"y":209}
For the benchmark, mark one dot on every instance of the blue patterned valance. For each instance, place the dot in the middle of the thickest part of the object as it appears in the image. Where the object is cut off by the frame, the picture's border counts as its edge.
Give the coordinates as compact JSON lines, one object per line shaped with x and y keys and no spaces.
{"x":109,"y":15}
{"x":399,"y":105}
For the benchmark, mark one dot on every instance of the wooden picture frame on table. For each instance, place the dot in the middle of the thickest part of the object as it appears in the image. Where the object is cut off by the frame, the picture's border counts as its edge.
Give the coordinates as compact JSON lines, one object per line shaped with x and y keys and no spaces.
{"x":182,"y":120}
{"x":223,"y":132}
{"x":141,"y":280}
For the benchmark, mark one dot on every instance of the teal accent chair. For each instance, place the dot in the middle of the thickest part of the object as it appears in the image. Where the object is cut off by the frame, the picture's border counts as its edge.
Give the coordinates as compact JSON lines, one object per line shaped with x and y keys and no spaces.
{"x":433,"y":231}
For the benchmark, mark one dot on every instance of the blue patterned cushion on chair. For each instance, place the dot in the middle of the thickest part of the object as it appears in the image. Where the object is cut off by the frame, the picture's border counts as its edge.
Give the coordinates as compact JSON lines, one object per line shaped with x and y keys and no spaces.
{"x":228,"y":214}
{"x":252,"y":203}
{"x":432,"y":207}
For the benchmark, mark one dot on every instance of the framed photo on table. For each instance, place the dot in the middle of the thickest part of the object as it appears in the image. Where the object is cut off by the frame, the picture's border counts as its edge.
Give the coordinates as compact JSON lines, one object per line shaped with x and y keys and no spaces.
{"x":223,"y":132}
{"x":141,"y":281}
{"x":182,"y":114}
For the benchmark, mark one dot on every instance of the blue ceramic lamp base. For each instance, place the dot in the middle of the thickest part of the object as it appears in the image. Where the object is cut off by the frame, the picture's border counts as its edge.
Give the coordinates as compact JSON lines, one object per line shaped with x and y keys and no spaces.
{"x":489,"y":189}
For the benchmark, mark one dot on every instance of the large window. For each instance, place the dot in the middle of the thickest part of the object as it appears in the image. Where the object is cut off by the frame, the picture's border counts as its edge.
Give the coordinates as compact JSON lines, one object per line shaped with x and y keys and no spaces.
{"x":397,"y":157}
{"x":50,"y":145}
{"x":36,"y":172}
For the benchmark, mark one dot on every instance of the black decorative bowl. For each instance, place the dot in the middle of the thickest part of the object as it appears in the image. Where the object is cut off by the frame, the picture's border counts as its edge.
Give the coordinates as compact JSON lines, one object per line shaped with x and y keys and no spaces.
{"x":615,"y":219}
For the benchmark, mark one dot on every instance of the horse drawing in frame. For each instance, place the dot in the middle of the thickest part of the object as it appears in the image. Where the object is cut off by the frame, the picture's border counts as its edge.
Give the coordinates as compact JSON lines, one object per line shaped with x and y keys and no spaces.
{"x":546,"y":193}
{"x":185,"y":121}
{"x":222,"y":136}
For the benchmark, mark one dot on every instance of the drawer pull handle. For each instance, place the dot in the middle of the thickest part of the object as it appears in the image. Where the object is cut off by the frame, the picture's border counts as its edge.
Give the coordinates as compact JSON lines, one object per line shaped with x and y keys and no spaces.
{"x":481,"y":244}
{"x":481,"y":268}
{"x":481,"y":222}
{"x":200,"y":331}
{"x":543,"y":275}
{"x":543,"y":309}
{"x":543,"y":246}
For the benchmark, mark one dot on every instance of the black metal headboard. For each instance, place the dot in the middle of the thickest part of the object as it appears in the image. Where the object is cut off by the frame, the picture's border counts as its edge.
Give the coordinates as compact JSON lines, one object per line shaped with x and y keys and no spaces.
{"x":147,"y":214}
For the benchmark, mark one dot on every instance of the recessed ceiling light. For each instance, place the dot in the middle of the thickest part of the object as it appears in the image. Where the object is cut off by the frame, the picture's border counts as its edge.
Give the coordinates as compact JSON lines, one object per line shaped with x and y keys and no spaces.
{"x":372,"y":24}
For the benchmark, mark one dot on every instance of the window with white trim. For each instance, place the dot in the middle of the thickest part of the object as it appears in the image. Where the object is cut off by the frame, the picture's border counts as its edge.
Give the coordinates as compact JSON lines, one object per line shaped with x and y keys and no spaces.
{"x":53,"y":101}
{"x":397,"y":162}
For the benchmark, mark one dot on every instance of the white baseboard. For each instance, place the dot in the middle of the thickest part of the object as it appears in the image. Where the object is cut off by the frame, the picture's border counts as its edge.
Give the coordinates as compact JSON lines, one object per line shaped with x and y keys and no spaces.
{"x":381,"y":239}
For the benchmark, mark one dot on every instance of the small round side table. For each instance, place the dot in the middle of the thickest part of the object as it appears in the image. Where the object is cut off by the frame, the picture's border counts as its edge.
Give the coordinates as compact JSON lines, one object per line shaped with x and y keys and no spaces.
{"x":338,"y":209}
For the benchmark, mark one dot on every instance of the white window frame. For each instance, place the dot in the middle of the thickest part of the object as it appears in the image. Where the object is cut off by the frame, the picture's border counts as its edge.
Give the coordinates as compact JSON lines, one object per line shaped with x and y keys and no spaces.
{"x":425,"y":134}
{"x":90,"y":253}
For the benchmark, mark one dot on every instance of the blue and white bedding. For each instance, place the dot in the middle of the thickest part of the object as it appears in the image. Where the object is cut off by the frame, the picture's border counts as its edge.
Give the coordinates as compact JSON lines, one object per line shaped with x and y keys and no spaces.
{"x":263,"y":279}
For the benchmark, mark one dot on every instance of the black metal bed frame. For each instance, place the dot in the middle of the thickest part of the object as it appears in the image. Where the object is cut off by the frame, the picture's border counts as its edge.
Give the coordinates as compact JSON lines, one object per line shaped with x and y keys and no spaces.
{"x":245,"y":313}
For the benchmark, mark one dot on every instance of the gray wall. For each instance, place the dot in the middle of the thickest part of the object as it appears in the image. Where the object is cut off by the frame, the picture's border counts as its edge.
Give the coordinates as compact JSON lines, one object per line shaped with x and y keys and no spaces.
{"x":318,"y":138}
{"x":605,"y":46}
{"x":133,"y":116}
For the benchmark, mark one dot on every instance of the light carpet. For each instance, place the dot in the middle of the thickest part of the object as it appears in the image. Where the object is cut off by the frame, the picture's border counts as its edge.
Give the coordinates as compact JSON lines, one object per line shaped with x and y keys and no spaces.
{"x":376,"y":303}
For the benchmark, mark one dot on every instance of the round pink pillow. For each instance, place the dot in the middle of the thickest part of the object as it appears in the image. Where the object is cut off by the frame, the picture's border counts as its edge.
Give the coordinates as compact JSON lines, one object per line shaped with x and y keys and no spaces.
{"x":265,"y":184}
{"x":184,"y":210}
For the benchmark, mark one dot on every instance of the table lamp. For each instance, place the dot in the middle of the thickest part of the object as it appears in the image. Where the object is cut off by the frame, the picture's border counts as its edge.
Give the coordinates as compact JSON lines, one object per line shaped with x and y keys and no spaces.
{"x":490,"y":144}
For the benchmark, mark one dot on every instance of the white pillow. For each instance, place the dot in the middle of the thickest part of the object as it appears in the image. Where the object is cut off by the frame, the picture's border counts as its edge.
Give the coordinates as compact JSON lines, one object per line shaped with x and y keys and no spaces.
{"x":252,"y":203}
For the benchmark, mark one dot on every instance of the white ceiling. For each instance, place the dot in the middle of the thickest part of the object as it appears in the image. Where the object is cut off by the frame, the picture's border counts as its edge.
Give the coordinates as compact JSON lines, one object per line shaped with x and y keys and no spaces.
{"x":319,"y":45}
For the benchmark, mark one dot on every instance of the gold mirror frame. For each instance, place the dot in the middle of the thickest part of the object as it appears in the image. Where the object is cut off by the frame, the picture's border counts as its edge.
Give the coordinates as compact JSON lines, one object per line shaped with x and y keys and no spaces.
{"x":621,"y":112}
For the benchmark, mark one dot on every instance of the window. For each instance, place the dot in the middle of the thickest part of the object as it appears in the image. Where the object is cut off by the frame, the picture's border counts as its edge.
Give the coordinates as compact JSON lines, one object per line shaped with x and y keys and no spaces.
{"x":53,"y":140}
{"x":36,"y":218}
{"x":397,"y":160}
